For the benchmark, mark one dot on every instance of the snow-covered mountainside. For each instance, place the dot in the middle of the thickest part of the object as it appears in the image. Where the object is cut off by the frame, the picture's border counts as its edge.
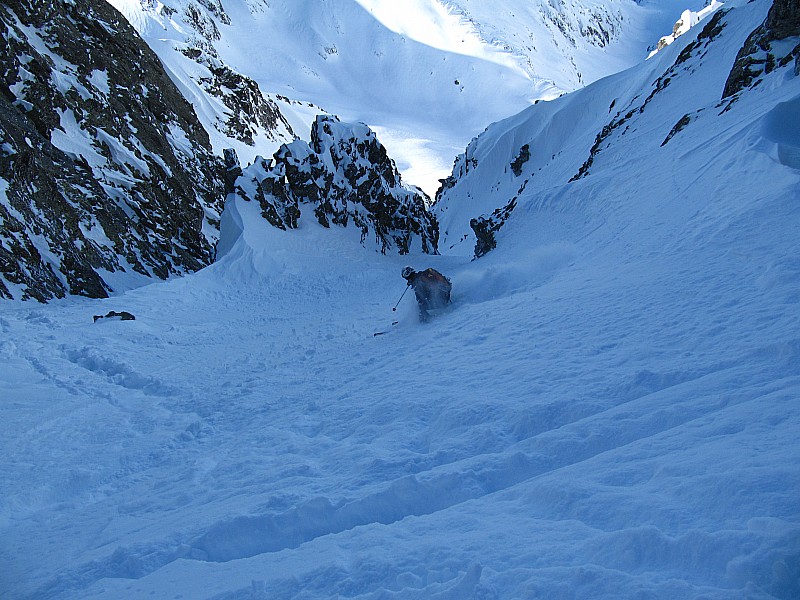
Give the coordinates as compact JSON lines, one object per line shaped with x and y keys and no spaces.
{"x":346,"y":177}
{"x":106,"y":175}
{"x":570,"y":43}
{"x":426,"y":75}
{"x":608,"y":410}
{"x":235,"y":111}
{"x":689,"y":19}
{"x":658,"y":119}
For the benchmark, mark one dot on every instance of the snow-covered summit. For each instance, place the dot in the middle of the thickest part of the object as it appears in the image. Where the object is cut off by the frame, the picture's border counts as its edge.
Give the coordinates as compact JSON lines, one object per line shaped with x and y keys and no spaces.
{"x":688,"y":19}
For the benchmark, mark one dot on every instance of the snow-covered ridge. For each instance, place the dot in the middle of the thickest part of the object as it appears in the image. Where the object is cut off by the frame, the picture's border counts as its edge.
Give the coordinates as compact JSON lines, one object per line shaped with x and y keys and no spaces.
{"x":689,"y":19}
{"x":235,"y":111}
{"x":607,"y":129}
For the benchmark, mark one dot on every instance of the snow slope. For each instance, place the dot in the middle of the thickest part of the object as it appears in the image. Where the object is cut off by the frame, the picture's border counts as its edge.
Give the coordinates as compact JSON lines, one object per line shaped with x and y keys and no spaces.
{"x":609,"y":410}
{"x":425,"y":102}
{"x":660,"y":129}
{"x":571,"y":43}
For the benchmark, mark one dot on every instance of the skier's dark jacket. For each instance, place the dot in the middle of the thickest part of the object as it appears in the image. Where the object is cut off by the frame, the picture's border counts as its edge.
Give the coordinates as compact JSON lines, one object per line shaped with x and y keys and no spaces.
{"x":431,"y":288}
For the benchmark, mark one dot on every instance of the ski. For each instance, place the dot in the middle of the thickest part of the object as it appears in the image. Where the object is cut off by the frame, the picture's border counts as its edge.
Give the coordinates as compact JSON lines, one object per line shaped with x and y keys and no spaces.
{"x":377,"y":333}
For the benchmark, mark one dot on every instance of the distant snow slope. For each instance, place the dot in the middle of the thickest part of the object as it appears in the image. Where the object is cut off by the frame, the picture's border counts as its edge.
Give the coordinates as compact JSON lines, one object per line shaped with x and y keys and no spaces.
{"x":609,"y":410}
{"x":571,"y":42}
{"x":436,"y":24}
{"x":426,"y":75}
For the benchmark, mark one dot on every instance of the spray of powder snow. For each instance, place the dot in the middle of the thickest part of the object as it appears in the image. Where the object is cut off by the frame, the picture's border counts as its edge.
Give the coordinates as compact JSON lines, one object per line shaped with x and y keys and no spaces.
{"x":532,"y":269}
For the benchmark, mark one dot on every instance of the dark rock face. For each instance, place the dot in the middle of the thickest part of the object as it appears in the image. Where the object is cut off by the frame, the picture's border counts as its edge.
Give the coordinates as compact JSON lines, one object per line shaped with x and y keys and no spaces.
{"x":347,"y":177}
{"x":233,"y":170}
{"x":104,"y":166}
{"x":523,"y":157}
{"x":486,"y":226}
{"x":758,"y":56}
{"x":783,"y":20}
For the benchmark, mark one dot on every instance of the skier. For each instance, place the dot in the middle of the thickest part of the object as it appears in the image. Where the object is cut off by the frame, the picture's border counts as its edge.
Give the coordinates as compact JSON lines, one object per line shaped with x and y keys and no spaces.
{"x":431,"y":288}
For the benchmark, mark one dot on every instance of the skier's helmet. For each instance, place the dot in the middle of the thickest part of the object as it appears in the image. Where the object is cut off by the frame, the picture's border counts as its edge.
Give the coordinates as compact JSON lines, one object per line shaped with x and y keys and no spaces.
{"x":407,"y":272}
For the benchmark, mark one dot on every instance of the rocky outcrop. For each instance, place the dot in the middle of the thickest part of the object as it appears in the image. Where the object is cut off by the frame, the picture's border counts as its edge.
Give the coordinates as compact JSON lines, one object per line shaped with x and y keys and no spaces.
{"x":783,"y":20}
{"x":759,"y":55}
{"x":104,"y":168}
{"x":248,"y":110}
{"x":346,"y":178}
{"x":523,"y":157}
{"x":485,"y":228}
{"x":462,"y":165}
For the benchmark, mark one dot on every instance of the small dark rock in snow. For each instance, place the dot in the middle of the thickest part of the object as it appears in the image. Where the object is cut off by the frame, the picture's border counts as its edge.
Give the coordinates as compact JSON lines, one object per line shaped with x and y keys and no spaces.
{"x":122,"y":316}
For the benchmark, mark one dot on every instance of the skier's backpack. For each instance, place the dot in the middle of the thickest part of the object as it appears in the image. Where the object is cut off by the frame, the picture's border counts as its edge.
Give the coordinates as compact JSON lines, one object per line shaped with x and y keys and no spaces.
{"x":436,"y":280}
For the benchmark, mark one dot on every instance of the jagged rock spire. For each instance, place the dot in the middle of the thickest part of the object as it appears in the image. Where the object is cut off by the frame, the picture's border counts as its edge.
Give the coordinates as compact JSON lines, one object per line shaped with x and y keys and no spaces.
{"x":346,"y":177}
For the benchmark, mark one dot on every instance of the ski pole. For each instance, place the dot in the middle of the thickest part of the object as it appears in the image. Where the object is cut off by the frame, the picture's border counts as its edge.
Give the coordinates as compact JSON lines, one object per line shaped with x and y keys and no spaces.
{"x":401,"y":298}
